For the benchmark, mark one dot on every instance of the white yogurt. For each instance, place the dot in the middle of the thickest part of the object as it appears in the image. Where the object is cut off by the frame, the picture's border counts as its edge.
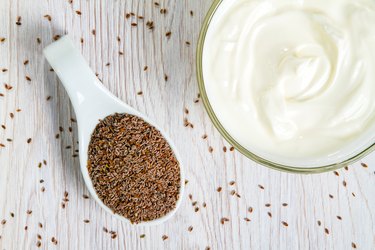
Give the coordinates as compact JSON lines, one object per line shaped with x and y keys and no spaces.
{"x":293,"y":81}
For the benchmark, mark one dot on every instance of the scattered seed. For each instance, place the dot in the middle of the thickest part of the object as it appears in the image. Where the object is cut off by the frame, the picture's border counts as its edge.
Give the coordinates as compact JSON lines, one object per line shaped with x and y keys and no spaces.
{"x":38,"y":243}
{"x":2,"y":39}
{"x":48,"y":17}
{"x":196,"y":209}
{"x":346,"y":168}
{"x":231,"y":148}
{"x":139,"y":93}
{"x":3,"y":222}
{"x":142,"y":236}
{"x":93,"y":32}
{"x":25,"y":62}
{"x":326,"y":230}
{"x":339,"y":217}
{"x":223,"y":220}
{"x":284,"y":223}
{"x":40,"y":225}
{"x":247,"y":219}
{"x":86,"y":221}
{"x":190,"y":228}
{"x":210,"y":149}
{"x":364,"y":165}
{"x":191,"y":13}
{"x":260,"y":186}
{"x":165,"y":77}
{"x":18,"y":22}
{"x":232,"y":192}
{"x":269,"y":214}
{"x":204,"y":137}
{"x":336,"y":173}
{"x":85,"y":196}
{"x":231,"y":183}
{"x":204,"y":204}
{"x":164,"y":237}
{"x":285,"y":204}
{"x":354,"y":245}
{"x":12,"y":214}
{"x":168,"y":34}
{"x":250,"y":209}
{"x":344,"y":183}
{"x":219,"y":189}
{"x":331,"y":196}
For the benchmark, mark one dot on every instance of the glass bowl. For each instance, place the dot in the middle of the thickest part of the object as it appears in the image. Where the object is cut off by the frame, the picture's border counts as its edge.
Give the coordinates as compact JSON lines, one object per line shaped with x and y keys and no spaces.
{"x":232,"y":141}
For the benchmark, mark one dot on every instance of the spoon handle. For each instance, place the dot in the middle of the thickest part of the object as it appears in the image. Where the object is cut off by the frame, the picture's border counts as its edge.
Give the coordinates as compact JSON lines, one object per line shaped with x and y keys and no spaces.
{"x":84,"y":89}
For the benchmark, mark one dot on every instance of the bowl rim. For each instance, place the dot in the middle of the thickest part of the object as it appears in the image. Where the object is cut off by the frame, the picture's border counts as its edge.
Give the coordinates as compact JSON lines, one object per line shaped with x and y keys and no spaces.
{"x":252,"y":156}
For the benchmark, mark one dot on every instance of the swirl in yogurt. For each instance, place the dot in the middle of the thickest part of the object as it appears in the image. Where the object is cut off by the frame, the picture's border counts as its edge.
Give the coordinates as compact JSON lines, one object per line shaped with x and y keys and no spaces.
{"x":294,"y":80}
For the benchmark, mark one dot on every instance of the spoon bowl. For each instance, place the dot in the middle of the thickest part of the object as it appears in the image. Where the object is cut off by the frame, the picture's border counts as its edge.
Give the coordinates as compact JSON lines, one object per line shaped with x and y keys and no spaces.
{"x":93,"y":102}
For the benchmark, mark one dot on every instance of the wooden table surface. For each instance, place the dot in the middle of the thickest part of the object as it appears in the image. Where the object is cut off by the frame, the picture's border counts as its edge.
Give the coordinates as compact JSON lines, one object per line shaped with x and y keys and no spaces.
{"x":41,"y":188}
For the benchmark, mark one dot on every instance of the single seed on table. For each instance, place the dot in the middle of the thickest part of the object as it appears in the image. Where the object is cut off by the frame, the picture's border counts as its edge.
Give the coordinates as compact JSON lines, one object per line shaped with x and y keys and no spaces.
{"x":219,"y":189}
{"x":231,"y":148}
{"x":2,"y":39}
{"x":187,"y":43}
{"x":204,"y":204}
{"x":267,"y":204}
{"x":12,"y":214}
{"x":3,"y":222}
{"x":78,"y":12}
{"x":145,"y":68}
{"x":25,"y":228}
{"x":210,"y":149}
{"x":165,"y":77}
{"x":40,"y":225}
{"x":285,"y":204}
{"x":353,"y":194}
{"x":194,"y":203}
{"x":82,"y":40}
{"x":336,"y":173}
{"x":196,"y":100}
{"x":331,"y":196}
{"x":4,"y":70}
{"x":113,"y":236}
{"x":250,"y":209}
{"x":39,"y":165}
{"x":284,"y":223}
{"x":231,"y":183}
{"x":139,"y":93}
{"x":25,"y":62}
{"x":57,"y":136}
{"x":326,"y":230}
{"x":204,"y":137}
{"x":269,"y":214}
{"x":168,"y":34}
{"x":134,"y":24}
{"x":364,"y":165}
{"x":93,"y":32}
{"x":190,"y":228}
{"x":260,"y":186}
{"x":85,"y":196}
{"x":18,"y":21}
{"x":164,"y":237}
{"x":247,"y":219}
{"x":56,"y":37}
{"x":190,"y":196}
{"x":344,"y":183}
{"x":29,"y":140}
{"x":191,"y":13}
{"x":223,"y":220}
{"x":232,"y":192}
{"x":48,"y":17}
{"x":142,"y":236}
{"x":86,"y":221}
{"x":11,"y":115}
{"x":29,"y":212}
{"x":339,"y":217}
{"x":38,"y":40}
{"x":186,"y":181}
{"x":38,"y":243}
{"x":354,"y":245}
{"x":346,"y":168}
{"x":196,"y":209}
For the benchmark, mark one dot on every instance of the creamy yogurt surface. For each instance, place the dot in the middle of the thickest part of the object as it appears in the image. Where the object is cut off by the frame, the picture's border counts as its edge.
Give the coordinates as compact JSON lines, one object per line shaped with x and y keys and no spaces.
{"x":293,"y":81}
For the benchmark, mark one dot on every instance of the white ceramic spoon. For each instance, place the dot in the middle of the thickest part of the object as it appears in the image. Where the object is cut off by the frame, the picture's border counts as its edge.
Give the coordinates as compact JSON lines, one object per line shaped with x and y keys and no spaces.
{"x":91,"y":102}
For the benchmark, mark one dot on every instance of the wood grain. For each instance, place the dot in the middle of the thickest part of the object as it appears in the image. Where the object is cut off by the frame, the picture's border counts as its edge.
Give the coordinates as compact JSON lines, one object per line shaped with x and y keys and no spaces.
{"x":307,"y":196}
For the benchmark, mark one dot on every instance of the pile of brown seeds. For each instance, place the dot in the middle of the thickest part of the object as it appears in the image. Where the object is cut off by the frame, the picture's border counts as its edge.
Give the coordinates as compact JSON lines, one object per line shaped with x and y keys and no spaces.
{"x":133,"y":169}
